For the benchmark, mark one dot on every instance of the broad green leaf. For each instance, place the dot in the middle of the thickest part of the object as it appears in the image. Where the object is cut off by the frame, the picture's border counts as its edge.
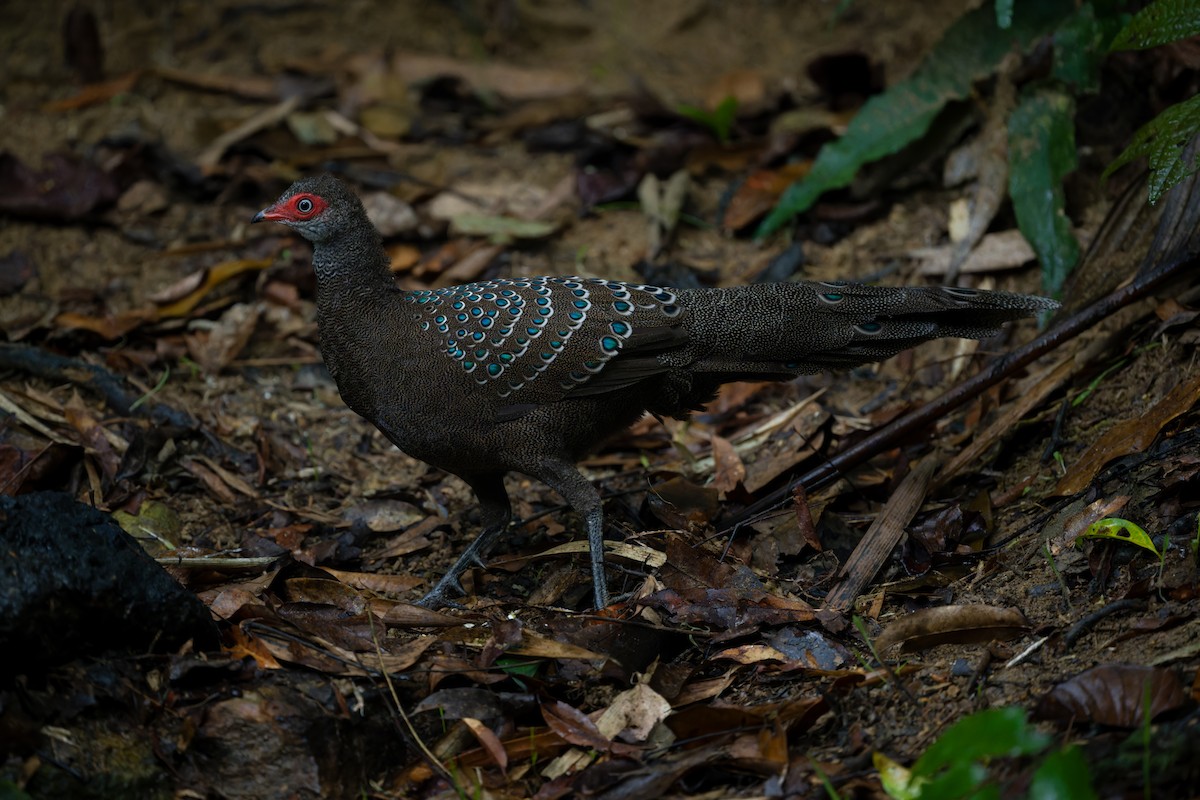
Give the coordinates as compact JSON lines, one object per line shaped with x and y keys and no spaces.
{"x":1063,"y":774}
{"x":993,"y":733}
{"x":1122,"y":530}
{"x":970,"y":51}
{"x":1158,"y":23}
{"x":1162,"y":141}
{"x":965,"y":779}
{"x":1041,"y":150}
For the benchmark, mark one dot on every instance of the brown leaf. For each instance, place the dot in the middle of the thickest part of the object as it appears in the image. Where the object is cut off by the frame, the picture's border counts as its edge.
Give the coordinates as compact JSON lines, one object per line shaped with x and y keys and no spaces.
{"x":1114,"y":694}
{"x":65,"y":189}
{"x":1129,"y":436}
{"x":110,"y":326}
{"x":213,"y":278}
{"x":574,"y":726}
{"x":730,"y":471}
{"x":381,"y":584}
{"x":407,"y":615}
{"x":491,"y":743}
{"x":953,"y":624}
{"x":758,"y":193}
{"x":96,"y":441}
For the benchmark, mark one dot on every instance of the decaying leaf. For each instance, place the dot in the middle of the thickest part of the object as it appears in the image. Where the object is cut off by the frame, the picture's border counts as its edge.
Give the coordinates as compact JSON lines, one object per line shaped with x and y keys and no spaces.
{"x":1115,"y":694}
{"x":953,"y":624}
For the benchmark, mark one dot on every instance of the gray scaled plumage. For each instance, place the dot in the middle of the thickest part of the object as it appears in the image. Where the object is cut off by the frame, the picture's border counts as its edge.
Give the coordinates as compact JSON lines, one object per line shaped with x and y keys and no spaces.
{"x":529,"y":375}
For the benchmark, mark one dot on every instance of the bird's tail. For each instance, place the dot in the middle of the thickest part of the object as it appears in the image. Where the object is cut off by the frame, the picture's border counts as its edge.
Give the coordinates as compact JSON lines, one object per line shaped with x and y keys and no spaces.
{"x":782,"y":328}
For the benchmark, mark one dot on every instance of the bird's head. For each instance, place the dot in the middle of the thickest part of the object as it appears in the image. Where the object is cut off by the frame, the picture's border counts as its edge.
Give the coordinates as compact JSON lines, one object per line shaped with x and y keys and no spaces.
{"x":316,"y":208}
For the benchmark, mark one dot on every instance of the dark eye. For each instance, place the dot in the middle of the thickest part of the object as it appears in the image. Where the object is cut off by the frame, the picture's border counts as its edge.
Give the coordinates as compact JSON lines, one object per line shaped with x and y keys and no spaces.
{"x":304,"y":205}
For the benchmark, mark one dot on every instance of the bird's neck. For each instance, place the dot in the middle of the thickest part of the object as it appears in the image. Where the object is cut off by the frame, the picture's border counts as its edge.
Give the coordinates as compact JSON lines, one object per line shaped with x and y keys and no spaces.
{"x":360,"y":314}
{"x":353,"y":266}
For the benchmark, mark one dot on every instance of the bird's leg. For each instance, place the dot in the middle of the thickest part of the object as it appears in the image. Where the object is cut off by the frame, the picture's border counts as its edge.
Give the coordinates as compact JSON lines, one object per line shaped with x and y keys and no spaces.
{"x":495,"y":513}
{"x":582,"y":496}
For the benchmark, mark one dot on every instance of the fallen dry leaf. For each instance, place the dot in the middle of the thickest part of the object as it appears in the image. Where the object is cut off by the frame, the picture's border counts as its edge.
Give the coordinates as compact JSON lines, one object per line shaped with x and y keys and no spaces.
{"x":953,"y":624}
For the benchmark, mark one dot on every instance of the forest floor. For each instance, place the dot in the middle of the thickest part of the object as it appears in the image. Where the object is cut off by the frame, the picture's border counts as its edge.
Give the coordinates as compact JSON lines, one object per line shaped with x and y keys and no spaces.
{"x":506,"y":139}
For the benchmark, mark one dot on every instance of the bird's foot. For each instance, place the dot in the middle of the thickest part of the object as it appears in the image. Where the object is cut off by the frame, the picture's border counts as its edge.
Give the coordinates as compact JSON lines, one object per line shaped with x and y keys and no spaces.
{"x":438,"y":595}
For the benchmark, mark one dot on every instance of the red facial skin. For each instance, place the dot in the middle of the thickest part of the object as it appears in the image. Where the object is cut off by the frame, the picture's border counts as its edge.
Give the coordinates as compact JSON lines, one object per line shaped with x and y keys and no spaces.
{"x":296,"y":209}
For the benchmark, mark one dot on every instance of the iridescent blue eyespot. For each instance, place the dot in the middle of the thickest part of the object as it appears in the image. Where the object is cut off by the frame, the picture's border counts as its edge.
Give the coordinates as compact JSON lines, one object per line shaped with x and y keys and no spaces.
{"x":461,"y":317}
{"x":501,"y":302}
{"x":506,"y":357}
{"x":481,"y":353}
{"x":581,"y":304}
{"x":621,"y":306}
{"x":476,"y":311}
{"x":575,"y":315}
{"x":870,"y":327}
{"x":440,"y":319}
{"x":580,"y":292}
{"x":458,"y":305}
{"x":477,"y":336}
{"x":494,"y":369}
{"x":608,"y":343}
{"x":619,"y":328}
{"x":486,"y":322}
{"x":489,"y":296}
{"x":557,"y":345}
{"x":543,"y":301}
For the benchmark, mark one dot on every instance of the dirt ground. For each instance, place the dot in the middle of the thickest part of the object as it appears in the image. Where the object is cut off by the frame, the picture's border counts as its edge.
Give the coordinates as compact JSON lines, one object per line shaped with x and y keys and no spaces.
{"x":305,"y":481}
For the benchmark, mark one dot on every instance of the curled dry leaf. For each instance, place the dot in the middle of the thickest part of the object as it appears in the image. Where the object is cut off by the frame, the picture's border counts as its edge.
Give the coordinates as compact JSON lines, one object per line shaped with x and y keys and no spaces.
{"x":953,"y":625}
{"x":1115,"y":694}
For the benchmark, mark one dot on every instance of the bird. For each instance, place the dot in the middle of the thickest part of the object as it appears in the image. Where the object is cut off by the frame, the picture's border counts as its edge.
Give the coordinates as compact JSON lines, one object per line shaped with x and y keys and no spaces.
{"x":530,"y":374}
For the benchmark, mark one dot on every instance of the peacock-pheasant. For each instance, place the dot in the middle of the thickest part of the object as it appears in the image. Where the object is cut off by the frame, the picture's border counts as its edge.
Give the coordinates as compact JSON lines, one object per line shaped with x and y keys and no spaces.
{"x":529,"y":375}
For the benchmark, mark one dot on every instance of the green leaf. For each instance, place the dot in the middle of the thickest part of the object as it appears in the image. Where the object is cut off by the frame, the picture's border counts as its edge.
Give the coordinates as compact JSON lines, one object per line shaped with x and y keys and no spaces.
{"x":1158,"y":23}
{"x":896,"y":779}
{"x":992,"y":733}
{"x":961,"y":780}
{"x":1004,"y":9}
{"x":524,"y":667}
{"x":1079,"y":49}
{"x":1162,"y":141}
{"x":1122,"y":530}
{"x":1063,"y":774}
{"x":500,"y":229}
{"x":1041,"y":150}
{"x":719,"y":120}
{"x":970,"y":50}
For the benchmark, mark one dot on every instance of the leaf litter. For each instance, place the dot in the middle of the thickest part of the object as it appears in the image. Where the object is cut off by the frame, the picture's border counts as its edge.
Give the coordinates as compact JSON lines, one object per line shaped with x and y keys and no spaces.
{"x":719,"y":671}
